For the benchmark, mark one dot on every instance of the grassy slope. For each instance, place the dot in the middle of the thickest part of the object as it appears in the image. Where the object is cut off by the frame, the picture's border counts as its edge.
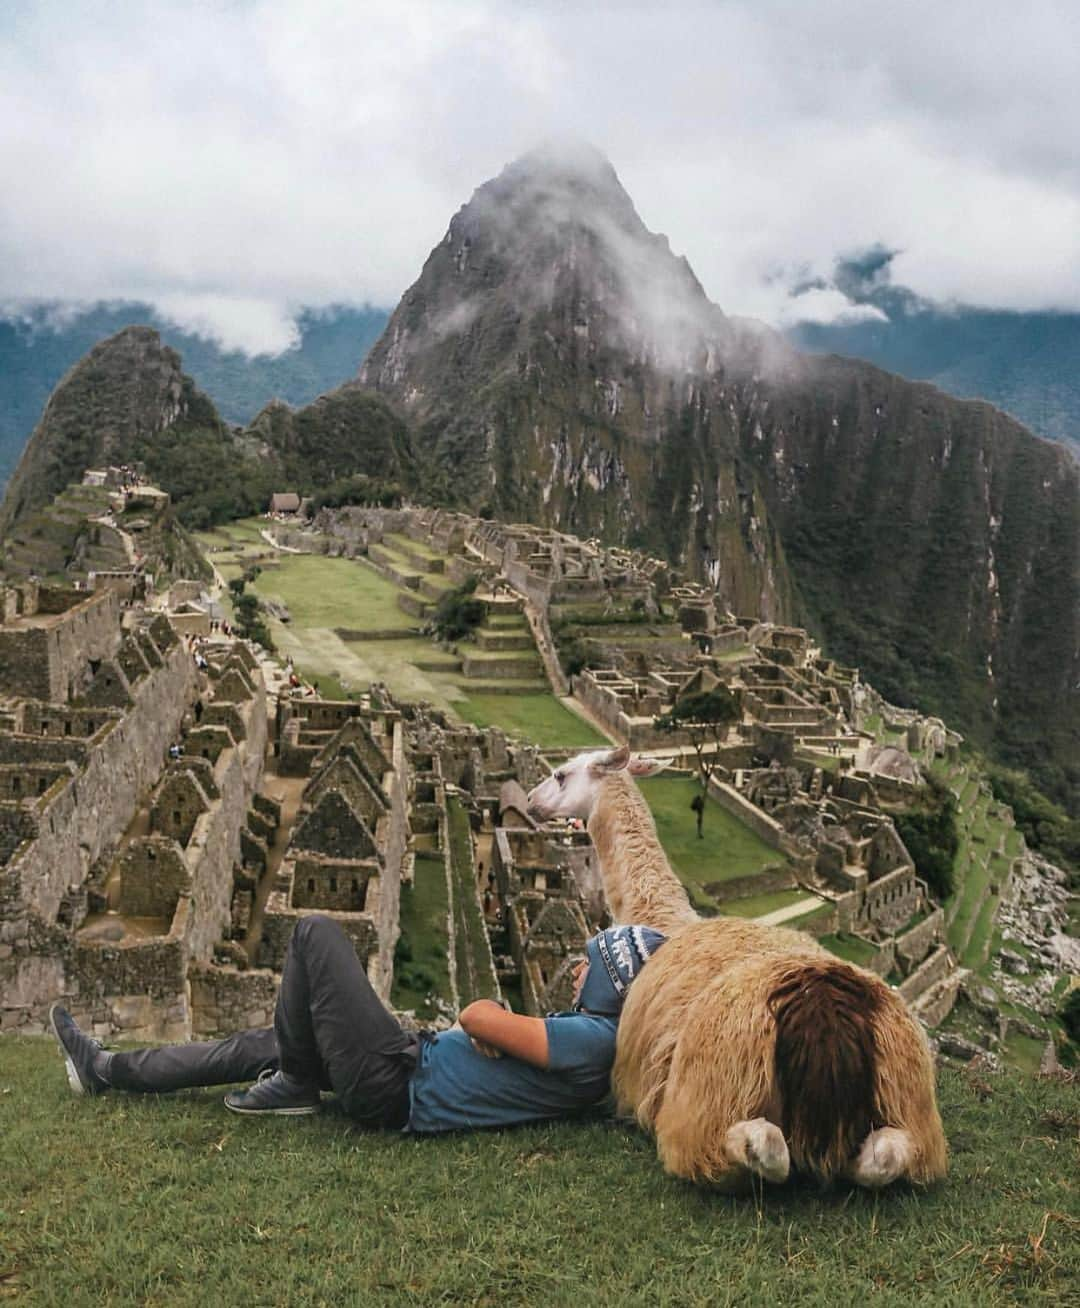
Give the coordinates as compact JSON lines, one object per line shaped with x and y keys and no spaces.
{"x":728,"y":849}
{"x":424,"y":906}
{"x":471,"y":951}
{"x":324,"y":593}
{"x":173,"y":1202}
{"x":539,"y":718}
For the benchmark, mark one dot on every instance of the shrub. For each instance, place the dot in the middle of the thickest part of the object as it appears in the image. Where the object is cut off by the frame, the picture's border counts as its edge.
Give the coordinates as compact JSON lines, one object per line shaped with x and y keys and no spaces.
{"x":930,"y":834}
{"x":458,"y":613}
{"x":1069,"y":1013}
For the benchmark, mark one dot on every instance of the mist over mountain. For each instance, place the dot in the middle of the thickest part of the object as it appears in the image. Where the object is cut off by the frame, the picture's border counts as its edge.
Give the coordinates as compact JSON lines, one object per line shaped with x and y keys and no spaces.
{"x":558,"y":363}
{"x":1025,"y":363}
{"x":38,"y":344}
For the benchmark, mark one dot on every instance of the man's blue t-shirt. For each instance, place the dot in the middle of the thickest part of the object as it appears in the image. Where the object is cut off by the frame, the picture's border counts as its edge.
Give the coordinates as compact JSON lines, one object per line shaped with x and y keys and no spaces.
{"x":455,"y":1088}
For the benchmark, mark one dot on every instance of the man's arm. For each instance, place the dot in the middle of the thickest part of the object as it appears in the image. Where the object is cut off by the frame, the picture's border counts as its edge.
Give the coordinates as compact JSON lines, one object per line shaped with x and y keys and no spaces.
{"x":509,"y":1033}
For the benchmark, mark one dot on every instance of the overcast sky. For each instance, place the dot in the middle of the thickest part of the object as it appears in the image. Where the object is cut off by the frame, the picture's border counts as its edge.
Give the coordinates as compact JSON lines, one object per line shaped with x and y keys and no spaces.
{"x":231,"y":162}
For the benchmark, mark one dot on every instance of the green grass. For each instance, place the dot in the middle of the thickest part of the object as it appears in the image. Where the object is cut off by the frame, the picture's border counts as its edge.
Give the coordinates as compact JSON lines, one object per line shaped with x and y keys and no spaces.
{"x":759,"y":905}
{"x":169,"y":1202}
{"x":324,"y":592}
{"x":538,"y":718}
{"x":425,"y":972}
{"x":1024,"y":1051}
{"x":729,"y":849}
{"x":850,"y":948}
{"x":399,"y":543}
{"x":472,"y":954}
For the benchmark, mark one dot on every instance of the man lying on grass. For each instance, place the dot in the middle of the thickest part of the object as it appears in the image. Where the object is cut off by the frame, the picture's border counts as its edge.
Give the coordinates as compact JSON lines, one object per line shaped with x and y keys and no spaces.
{"x":332,"y":1032}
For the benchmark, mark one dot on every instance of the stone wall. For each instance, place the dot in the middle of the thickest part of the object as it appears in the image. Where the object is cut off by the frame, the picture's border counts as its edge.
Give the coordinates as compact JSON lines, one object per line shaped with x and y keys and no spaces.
{"x":761,"y":883}
{"x":936,"y":968}
{"x":764,"y":826}
{"x":214,"y":846}
{"x":337,"y":885}
{"x":82,"y":823}
{"x":224,"y":1000}
{"x":43,"y":659}
{"x":153,"y":876}
{"x":36,"y":718}
{"x":891,"y":900}
{"x":913,"y":945}
{"x":388,"y":912}
{"x":136,"y":986}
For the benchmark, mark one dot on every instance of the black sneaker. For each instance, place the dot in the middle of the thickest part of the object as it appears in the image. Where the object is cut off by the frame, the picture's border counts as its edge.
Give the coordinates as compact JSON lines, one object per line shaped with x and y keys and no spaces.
{"x":79,"y":1052}
{"x":274,"y":1092}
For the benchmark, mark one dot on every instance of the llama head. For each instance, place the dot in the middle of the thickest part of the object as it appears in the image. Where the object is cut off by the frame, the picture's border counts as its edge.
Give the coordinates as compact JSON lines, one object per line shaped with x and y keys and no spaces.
{"x":572,"y":789}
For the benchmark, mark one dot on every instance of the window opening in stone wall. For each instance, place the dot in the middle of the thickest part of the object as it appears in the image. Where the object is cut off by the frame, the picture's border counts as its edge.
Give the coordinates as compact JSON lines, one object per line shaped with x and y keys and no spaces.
{"x":67,"y":728}
{"x":42,"y":785}
{"x":333,"y":885}
{"x":16,"y":785}
{"x":311,"y":885}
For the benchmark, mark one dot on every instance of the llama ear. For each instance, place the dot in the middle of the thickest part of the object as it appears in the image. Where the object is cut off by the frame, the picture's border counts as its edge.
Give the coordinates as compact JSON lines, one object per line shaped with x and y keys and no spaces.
{"x":613,"y":761}
{"x":647,"y":767}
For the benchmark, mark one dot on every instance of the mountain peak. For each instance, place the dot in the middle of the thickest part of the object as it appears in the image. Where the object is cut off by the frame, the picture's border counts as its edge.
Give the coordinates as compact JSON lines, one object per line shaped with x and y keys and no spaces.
{"x":551,"y":248}
{"x":128,"y":388}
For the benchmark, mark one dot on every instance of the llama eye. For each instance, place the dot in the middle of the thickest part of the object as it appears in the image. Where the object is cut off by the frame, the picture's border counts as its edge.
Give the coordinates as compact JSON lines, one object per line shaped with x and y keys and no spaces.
{"x":560,"y":777}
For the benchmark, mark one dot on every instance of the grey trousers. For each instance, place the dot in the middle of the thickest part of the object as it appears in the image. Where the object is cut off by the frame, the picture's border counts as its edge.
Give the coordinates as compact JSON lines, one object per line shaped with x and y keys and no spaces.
{"x":330,"y":1029}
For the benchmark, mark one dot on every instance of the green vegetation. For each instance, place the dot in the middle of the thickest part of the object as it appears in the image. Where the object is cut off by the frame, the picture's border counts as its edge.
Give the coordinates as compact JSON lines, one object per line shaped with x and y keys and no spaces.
{"x":325,"y":592}
{"x":705,"y":717}
{"x":458,"y":613}
{"x":850,"y":948}
{"x":172,"y":1201}
{"x":421,"y":970}
{"x":760,"y":905}
{"x":931,"y":837}
{"x":1046,"y":827}
{"x":541,"y":719}
{"x":730,"y":849}
{"x":1070,"y":1014}
{"x":358,"y":489}
{"x":472,"y":954}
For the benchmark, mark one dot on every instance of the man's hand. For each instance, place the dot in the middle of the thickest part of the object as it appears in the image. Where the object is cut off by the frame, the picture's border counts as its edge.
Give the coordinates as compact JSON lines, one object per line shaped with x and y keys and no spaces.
{"x":491,"y":1028}
{"x":482,"y":1047}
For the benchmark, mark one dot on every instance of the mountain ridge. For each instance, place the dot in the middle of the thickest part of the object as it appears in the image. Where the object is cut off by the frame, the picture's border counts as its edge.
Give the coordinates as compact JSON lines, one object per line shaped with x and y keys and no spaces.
{"x":784,"y":478}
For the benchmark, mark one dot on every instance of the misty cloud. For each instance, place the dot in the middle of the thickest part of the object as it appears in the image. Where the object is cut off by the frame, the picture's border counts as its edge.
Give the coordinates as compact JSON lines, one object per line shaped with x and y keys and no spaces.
{"x":231,"y":163}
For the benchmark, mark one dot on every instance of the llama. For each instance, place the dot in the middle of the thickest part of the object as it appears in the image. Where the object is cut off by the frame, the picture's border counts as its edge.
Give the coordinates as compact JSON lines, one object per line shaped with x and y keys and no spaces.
{"x":748,"y":1049}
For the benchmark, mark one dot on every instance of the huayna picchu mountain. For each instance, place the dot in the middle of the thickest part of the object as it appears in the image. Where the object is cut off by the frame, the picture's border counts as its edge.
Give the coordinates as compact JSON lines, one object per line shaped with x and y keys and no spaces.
{"x":558,"y":363}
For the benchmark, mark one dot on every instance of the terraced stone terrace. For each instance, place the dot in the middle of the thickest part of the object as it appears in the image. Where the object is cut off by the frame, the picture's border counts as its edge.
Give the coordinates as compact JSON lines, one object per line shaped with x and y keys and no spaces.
{"x":354,"y":621}
{"x":988,"y":844}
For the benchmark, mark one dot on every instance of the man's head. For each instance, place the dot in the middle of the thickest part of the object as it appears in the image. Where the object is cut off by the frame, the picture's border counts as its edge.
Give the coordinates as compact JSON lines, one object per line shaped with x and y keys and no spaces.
{"x":614,"y":958}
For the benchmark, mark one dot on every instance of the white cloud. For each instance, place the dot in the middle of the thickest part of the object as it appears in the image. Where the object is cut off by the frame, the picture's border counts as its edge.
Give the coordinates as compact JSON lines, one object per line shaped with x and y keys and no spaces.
{"x":229,"y":162}
{"x":824,"y":305}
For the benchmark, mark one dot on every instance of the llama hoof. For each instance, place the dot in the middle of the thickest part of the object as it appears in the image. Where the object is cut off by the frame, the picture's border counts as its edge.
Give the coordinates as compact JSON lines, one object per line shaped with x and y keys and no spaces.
{"x":761,"y":1147}
{"x":884,"y":1157}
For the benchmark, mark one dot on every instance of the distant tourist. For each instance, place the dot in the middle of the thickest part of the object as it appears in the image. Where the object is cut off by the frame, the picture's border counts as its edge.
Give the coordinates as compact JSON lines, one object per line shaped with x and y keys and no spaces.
{"x":332,"y":1032}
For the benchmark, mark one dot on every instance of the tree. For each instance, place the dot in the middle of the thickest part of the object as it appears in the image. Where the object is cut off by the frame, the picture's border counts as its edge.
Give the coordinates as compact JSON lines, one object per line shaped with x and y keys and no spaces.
{"x":1070,"y":1015}
{"x":705,"y":717}
{"x":929,"y":833}
{"x":458,"y":613}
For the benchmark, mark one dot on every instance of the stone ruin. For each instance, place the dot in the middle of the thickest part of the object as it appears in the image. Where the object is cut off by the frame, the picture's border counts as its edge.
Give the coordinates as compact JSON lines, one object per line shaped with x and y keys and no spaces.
{"x":116,"y":872}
